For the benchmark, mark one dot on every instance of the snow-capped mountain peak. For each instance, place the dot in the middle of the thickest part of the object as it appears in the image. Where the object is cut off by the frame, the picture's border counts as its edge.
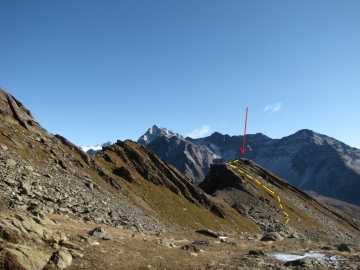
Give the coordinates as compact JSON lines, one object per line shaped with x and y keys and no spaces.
{"x":95,"y":148}
{"x":155,"y":132}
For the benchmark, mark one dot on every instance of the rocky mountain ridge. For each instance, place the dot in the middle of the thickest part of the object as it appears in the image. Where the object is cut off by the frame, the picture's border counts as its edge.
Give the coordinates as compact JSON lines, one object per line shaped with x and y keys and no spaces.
{"x":112,"y":188}
{"x":191,"y":159}
{"x":308,"y":160}
{"x":139,"y":197}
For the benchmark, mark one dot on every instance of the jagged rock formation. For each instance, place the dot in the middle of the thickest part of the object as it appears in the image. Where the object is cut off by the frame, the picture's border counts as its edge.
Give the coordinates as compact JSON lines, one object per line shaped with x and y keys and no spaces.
{"x":14,"y":112}
{"x":156,"y":132}
{"x":308,"y":160}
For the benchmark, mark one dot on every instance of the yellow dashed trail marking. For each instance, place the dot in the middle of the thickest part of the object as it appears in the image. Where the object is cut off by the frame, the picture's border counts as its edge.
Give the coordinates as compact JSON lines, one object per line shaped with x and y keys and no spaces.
{"x":268,"y":189}
{"x":265,"y":187}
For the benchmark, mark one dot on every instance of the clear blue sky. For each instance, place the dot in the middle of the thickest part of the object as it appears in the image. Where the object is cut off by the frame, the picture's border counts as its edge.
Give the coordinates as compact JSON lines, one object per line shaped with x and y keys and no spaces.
{"x":95,"y":71}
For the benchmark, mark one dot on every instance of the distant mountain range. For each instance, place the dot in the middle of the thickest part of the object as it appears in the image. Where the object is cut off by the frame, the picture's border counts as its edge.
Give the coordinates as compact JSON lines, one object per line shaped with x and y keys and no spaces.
{"x":92,"y":150}
{"x":309,"y":160}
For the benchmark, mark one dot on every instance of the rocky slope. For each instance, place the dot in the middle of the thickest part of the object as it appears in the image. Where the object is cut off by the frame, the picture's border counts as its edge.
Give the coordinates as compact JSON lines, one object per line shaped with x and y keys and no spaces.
{"x":308,"y":160}
{"x":274,"y":204}
{"x":115,"y":187}
{"x":129,"y":189}
{"x":67,"y":244}
{"x":39,"y":170}
{"x":350,"y":209}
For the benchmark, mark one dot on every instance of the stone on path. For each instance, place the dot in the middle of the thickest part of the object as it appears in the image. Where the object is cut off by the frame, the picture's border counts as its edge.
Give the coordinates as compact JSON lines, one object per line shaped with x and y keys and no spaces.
{"x":272,"y":236}
{"x":208,"y":233}
{"x":100,"y":233}
{"x":256,"y":252}
{"x":343,"y":247}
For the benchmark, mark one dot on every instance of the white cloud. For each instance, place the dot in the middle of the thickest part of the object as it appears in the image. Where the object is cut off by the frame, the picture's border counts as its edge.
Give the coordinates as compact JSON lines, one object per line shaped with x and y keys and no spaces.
{"x":277,"y":107}
{"x":200,"y":132}
{"x":268,"y":107}
{"x":273,"y":108}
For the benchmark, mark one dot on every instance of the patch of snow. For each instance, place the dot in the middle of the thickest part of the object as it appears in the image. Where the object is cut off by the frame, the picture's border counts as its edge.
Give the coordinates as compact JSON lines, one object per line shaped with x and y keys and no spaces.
{"x":87,"y":148}
{"x":292,"y":257}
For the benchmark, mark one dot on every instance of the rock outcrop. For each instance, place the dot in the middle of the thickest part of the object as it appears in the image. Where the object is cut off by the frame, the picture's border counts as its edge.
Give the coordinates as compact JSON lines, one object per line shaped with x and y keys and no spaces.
{"x":28,"y":242}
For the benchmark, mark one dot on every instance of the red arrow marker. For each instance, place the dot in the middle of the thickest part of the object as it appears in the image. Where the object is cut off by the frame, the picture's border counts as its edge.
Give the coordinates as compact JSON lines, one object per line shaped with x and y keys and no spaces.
{"x":243,"y":149}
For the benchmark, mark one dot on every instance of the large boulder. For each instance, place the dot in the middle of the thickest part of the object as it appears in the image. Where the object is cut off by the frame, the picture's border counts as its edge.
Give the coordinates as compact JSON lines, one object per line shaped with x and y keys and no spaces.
{"x":100,"y":233}
{"x":343,"y":247}
{"x":272,"y":236}
{"x":61,"y":258}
